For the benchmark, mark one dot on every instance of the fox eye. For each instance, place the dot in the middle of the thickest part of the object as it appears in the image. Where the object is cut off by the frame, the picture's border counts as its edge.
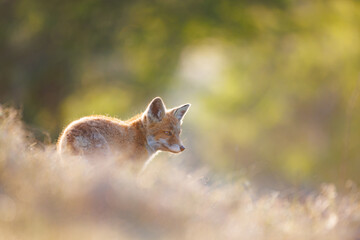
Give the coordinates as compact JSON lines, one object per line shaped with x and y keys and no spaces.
{"x":168,"y":133}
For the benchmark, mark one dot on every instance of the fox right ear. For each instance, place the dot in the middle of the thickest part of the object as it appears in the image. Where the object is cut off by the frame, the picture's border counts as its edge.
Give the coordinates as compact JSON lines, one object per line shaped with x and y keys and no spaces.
{"x":156,"y":110}
{"x":180,"y":112}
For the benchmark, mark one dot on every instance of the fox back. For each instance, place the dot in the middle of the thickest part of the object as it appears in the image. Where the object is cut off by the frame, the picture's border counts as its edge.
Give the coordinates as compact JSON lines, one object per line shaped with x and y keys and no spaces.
{"x":137,"y":139}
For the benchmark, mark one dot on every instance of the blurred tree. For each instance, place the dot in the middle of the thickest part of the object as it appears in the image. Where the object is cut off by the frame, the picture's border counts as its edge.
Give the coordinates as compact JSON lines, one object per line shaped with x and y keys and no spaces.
{"x":45,"y":43}
{"x":274,"y":82}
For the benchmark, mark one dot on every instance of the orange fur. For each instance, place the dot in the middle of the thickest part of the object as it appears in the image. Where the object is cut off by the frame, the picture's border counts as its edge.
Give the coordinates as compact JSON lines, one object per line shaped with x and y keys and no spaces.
{"x":136,"y":139}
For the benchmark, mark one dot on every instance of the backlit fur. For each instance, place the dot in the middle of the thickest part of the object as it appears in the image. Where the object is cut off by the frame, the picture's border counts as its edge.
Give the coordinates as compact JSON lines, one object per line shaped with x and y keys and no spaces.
{"x":137,"y":139}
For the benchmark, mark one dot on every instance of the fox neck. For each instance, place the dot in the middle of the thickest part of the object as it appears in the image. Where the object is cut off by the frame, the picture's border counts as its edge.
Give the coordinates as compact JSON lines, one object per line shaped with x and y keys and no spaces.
{"x":141,"y":138}
{"x":151,"y":150}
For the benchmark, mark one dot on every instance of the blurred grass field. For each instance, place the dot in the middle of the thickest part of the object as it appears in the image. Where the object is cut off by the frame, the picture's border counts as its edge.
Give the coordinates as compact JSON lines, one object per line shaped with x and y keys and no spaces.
{"x":45,"y":197}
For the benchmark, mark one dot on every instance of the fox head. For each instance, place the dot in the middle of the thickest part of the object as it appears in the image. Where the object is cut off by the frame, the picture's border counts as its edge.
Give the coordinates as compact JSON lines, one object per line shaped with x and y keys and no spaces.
{"x":163,"y":126}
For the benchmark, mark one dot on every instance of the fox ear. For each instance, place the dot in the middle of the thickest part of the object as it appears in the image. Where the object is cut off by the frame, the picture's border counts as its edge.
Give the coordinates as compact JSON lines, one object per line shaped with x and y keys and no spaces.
{"x":180,"y":112}
{"x":156,"y":110}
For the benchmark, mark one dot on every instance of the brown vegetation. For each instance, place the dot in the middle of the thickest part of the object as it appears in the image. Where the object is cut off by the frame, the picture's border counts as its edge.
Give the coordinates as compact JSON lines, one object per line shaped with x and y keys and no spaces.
{"x":43,"y":197}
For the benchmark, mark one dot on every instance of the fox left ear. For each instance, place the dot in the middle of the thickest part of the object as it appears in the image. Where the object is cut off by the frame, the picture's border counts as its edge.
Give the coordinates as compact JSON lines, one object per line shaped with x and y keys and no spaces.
{"x":156,"y":110}
{"x":180,"y":112}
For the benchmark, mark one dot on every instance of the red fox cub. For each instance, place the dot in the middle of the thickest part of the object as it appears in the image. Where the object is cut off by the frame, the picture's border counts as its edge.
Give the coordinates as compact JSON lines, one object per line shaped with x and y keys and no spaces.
{"x":136,"y":139}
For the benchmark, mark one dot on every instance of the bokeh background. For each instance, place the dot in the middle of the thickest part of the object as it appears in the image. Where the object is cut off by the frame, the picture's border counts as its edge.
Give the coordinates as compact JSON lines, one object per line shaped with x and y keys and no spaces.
{"x":274,"y":85}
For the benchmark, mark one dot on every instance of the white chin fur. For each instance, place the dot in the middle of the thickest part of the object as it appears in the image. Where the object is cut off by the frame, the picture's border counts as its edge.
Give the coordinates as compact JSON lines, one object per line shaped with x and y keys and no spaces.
{"x":174,"y":148}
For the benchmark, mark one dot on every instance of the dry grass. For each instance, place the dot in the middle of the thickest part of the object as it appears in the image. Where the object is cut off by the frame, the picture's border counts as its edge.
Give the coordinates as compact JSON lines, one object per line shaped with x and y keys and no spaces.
{"x":44,"y":197}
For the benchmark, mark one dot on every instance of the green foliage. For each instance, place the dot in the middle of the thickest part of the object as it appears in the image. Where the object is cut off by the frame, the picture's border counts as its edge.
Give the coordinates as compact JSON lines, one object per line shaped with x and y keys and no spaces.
{"x":274,"y":84}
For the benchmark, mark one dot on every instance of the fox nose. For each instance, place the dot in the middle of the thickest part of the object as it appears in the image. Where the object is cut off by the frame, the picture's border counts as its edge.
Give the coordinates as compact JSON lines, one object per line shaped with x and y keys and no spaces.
{"x":182,"y":148}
